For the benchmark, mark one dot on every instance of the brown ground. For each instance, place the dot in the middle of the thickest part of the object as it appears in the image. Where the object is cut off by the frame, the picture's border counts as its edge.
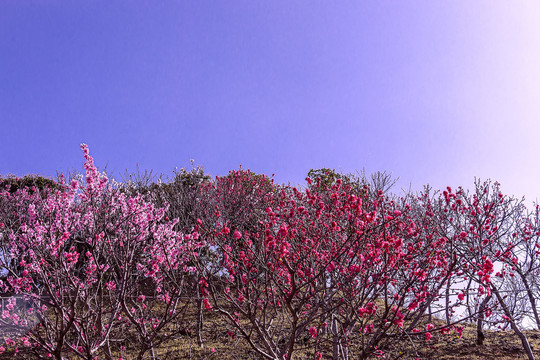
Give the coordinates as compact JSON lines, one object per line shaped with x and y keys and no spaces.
{"x":500,"y":345}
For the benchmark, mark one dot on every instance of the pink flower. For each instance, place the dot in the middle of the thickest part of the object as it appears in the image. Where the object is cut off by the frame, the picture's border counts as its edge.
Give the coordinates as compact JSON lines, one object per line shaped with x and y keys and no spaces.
{"x":313,"y":332}
{"x":461,"y":296}
{"x":237,"y":234}
{"x":459,"y":330}
{"x":399,"y":321}
{"x":488,"y":266}
{"x":111,"y":285}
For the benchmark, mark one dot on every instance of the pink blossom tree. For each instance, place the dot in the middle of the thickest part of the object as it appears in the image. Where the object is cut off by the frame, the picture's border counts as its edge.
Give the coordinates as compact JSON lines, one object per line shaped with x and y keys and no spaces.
{"x":84,"y":252}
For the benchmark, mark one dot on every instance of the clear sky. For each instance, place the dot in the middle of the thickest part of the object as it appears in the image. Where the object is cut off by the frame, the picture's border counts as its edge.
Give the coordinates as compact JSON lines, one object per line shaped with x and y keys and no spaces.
{"x":435,"y":92}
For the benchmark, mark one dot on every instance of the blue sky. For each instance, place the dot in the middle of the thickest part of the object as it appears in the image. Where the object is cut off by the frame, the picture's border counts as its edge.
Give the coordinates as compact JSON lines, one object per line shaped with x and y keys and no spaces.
{"x":434,"y":92}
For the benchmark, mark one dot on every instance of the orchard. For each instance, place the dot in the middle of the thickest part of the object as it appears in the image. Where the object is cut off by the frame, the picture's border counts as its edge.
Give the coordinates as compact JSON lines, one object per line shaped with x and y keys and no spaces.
{"x":338,"y":269}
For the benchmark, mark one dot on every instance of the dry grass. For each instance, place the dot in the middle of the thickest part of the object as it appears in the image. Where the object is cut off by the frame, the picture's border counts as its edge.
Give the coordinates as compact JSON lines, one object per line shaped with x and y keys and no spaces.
{"x":501,"y":345}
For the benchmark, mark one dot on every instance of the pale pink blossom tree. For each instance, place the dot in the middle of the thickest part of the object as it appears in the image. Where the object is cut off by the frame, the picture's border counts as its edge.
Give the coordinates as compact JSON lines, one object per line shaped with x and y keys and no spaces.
{"x":85,"y":252}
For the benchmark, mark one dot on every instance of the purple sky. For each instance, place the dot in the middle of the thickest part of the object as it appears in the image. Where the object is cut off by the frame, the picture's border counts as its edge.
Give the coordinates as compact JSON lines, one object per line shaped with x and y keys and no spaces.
{"x":434,"y":92}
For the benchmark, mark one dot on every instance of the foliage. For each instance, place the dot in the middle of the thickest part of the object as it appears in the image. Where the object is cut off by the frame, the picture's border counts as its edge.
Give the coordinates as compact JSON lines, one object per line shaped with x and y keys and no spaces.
{"x":30,"y":182}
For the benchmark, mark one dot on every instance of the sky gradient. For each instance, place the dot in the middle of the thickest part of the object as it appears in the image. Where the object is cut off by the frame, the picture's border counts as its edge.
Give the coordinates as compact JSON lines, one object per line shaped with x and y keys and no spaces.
{"x":434,"y":92}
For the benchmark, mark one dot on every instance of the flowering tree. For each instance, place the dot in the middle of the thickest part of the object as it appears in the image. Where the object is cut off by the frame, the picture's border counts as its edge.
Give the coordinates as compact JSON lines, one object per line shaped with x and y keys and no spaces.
{"x":322,"y":267}
{"x":387,"y":280}
{"x":482,"y":227}
{"x":84,"y":252}
{"x":520,"y":254}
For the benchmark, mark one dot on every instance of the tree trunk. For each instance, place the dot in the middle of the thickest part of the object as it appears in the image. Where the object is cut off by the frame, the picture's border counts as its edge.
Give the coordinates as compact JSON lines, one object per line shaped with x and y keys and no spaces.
{"x":335,"y":341}
{"x":339,"y":352}
{"x":519,"y":333}
{"x":468,"y":299}
{"x":532,"y":300}
{"x":199,"y":318}
{"x":447,"y":307}
{"x":480,"y":337}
